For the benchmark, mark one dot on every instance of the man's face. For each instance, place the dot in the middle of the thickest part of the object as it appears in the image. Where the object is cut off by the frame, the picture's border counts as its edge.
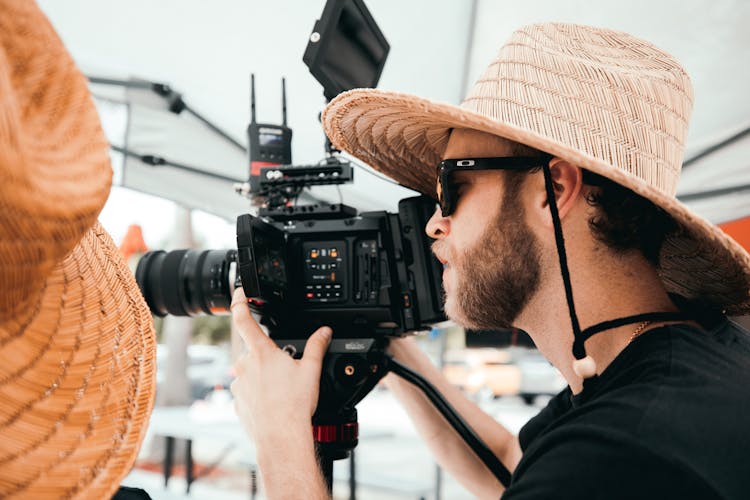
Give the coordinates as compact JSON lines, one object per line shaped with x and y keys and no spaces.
{"x":491,"y":256}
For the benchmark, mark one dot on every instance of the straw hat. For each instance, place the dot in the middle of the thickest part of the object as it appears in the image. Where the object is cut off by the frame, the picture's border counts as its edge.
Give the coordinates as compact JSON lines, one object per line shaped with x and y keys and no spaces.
{"x":77,"y":344}
{"x":601,"y":99}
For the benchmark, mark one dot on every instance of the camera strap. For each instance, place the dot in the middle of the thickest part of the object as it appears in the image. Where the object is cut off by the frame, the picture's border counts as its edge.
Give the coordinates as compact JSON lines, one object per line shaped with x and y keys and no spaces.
{"x":584,"y":365}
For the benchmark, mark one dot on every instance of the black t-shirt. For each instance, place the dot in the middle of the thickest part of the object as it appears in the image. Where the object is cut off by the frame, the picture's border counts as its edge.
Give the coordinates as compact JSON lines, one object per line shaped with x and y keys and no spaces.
{"x":668,"y":418}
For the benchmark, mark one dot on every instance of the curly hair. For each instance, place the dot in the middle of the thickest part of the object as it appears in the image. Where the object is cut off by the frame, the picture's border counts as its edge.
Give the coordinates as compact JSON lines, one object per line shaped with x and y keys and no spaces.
{"x":626,"y":220}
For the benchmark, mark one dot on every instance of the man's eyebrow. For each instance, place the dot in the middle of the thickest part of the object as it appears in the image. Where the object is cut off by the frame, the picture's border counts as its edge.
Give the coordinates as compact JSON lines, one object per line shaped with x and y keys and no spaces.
{"x":462,"y":176}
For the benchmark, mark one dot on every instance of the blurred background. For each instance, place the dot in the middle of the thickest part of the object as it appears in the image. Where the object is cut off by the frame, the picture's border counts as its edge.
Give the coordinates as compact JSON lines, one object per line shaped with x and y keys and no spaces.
{"x":204,"y":52}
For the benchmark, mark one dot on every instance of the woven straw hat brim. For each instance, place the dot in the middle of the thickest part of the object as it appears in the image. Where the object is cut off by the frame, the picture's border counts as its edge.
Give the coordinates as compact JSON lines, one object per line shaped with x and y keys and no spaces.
{"x":77,"y":345}
{"x":77,"y":379}
{"x":54,"y":163}
{"x":404,"y":137}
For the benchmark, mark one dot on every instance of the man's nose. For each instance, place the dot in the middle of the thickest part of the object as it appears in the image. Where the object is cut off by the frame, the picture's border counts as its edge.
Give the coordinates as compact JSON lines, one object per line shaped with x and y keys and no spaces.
{"x":438,"y":226}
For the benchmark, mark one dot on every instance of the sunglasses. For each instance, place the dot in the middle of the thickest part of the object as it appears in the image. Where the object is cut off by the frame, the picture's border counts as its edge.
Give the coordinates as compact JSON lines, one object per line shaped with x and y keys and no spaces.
{"x":447,"y":192}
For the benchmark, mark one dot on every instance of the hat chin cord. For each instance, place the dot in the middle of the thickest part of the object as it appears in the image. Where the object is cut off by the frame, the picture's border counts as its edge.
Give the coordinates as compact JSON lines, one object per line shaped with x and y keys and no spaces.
{"x":584,"y":365}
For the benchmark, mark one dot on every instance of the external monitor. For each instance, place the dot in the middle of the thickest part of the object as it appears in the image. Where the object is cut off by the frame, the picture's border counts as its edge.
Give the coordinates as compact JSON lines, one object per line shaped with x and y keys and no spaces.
{"x":346,"y":49}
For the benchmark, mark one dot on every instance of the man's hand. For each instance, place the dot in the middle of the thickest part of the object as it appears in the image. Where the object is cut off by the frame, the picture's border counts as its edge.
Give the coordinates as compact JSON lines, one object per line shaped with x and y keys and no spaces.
{"x":275,"y":397}
{"x":274,"y":393}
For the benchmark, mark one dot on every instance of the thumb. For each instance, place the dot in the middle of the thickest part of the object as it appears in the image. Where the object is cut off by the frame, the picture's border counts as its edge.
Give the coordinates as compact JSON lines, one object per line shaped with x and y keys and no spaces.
{"x":316,"y":347}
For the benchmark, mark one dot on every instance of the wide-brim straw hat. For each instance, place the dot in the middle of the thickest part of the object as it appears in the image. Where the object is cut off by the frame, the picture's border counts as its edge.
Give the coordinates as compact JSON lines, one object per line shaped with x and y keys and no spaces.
{"x":77,"y":346}
{"x":601,"y":99}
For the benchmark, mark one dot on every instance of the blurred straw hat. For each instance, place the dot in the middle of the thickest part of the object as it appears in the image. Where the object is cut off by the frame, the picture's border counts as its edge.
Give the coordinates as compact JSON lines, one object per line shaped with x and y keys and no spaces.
{"x":77,"y":372}
{"x":601,"y":99}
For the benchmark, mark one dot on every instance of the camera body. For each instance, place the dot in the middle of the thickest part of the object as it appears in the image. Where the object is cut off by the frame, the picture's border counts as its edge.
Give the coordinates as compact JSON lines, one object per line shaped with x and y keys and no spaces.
{"x":366,"y":276}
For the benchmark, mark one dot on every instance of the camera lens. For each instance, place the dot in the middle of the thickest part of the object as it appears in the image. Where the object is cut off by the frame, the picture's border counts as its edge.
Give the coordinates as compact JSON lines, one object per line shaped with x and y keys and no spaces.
{"x":187,"y":282}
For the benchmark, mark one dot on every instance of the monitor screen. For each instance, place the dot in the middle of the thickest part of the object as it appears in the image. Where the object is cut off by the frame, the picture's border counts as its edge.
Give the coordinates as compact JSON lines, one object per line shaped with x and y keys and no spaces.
{"x":347,"y":50}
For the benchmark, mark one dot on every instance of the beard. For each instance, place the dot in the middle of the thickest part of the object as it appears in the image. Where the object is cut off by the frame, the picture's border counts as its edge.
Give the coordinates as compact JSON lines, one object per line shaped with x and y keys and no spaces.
{"x":495,"y":278}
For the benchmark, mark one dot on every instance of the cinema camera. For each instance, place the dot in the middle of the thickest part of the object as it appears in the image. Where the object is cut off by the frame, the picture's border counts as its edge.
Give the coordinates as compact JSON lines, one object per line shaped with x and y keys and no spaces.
{"x":368,"y":276}
{"x":365,"y":276}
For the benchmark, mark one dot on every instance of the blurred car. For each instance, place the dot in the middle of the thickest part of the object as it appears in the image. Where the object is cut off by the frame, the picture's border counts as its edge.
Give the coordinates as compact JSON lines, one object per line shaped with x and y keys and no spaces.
{"x":514,"y":371}
{"x":208,"y":367}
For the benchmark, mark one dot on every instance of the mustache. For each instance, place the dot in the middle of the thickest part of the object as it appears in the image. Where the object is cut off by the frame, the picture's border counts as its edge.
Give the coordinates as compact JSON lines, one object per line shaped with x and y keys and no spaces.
{"x":438,"y":250}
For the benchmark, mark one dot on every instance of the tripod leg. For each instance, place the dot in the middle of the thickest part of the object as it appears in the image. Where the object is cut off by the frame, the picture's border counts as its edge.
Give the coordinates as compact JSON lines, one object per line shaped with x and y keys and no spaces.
{"x":168,"y":454}
{"x":188,"y":464}
{"x":326,"y":466}
{"x":253,"y":482}
{"x":352,"y":477}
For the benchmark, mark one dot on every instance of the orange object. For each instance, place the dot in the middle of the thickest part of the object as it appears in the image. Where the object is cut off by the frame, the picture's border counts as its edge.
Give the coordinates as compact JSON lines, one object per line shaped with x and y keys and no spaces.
{"x":133,"y":242}
{"x":739,"y":230}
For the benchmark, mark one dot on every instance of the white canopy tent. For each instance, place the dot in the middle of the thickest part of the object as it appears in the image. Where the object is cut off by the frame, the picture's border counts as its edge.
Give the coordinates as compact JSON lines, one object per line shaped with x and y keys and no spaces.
{"x":206,"y":51}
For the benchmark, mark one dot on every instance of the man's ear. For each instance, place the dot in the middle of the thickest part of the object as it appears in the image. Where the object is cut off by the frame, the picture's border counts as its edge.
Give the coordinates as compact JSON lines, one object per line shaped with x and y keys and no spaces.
{"x":567,"y":183}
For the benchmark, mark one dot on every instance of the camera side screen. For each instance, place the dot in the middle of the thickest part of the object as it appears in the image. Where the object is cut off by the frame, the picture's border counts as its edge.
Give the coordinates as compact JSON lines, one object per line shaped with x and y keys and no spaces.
{"x":261,"y":255}
{"x":270,"y":263}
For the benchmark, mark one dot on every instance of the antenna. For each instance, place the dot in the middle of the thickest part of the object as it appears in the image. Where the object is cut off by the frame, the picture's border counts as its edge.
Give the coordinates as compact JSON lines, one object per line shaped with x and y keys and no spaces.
{"x":283,"y":100}
{"x":252,"y":97}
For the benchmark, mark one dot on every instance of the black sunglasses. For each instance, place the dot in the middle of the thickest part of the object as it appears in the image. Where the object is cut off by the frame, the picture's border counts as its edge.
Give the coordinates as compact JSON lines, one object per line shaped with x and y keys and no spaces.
{"x":447,"y":195}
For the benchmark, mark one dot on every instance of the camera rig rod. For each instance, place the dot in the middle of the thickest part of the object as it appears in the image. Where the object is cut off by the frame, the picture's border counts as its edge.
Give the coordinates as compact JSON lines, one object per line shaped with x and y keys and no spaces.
{"x":454,"y":419}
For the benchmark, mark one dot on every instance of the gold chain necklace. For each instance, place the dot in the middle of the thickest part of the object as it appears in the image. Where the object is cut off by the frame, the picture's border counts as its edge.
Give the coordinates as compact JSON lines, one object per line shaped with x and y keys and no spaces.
{"x":586,"y":367}
{"x":639,"y":330}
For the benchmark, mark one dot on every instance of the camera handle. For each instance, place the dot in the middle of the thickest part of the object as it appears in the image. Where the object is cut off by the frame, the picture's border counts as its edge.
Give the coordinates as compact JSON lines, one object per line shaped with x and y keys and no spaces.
{"x":454,"y":419}
{"x":335,"y":427}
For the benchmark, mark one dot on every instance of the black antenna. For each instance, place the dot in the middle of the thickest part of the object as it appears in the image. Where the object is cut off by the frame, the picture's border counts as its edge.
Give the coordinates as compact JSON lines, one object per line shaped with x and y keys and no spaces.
{"x":283,"y":100}
{"x":252,"y":97}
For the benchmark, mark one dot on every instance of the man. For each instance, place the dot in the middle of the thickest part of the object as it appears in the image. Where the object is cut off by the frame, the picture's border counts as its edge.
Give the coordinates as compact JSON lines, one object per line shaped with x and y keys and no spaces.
{"x":557,"y":215}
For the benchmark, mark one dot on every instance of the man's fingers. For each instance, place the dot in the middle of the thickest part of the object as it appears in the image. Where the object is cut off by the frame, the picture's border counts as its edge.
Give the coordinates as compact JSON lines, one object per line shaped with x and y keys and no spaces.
{"x":247,"y":327}
{"x":316,"y":347}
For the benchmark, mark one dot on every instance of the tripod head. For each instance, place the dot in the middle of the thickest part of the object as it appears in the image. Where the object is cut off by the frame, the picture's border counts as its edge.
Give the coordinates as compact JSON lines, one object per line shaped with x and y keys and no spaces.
{"x":347,"y":377}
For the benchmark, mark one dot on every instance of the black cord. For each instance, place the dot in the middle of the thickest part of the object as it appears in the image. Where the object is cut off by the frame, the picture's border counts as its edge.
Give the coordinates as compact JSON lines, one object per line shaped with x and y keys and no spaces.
{"x":579,"y":350}
{"x":341,"y":196}
{"x":638,"y":318}
{"x":158,"y":161}
{"x":215,"y":128}
{"x":716,"y":147}
{"x":454,"y":419}
{"x":176,"y":103}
